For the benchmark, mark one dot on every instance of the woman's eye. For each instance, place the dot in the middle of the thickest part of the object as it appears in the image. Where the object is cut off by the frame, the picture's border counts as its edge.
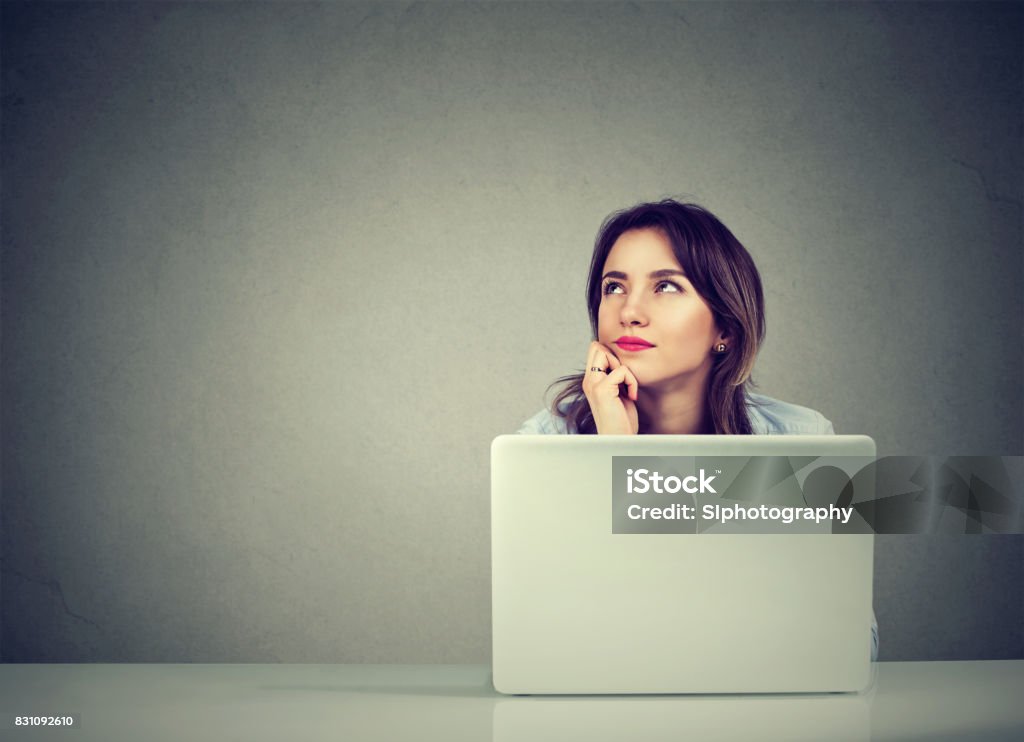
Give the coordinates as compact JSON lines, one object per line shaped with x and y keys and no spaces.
{"x":668,"y":286}
{"x":612,"y":287}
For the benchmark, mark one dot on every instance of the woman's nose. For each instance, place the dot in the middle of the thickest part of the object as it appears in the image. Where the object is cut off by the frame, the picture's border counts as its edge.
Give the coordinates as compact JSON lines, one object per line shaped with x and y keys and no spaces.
{"x":633,"y":313}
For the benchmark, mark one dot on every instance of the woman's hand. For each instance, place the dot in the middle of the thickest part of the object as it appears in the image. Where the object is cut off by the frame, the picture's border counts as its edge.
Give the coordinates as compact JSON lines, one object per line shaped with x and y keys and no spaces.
{"x":613,"y":407}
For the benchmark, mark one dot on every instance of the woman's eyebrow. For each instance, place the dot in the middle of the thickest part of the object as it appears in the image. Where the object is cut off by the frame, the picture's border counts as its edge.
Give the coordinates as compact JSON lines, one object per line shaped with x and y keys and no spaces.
{"x":663,"y":273}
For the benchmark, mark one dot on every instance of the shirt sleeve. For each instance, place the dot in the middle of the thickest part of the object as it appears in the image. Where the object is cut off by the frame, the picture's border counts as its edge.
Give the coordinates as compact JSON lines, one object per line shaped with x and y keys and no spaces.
{"x":530,"y":427}
{"x":543,"y":423}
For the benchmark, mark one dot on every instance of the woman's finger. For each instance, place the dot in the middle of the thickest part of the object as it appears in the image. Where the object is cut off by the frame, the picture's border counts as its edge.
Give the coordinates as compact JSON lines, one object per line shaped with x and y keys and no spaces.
{"x":597,"y":357}
{"x":632,"y":385}
{"x":597,"y":366}
{"x":613,"y":360}
{"x":617,"y":376}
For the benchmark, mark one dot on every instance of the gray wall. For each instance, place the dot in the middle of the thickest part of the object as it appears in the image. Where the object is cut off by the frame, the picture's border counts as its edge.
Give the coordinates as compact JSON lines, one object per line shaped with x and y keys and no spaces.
{"x":273,"y":277}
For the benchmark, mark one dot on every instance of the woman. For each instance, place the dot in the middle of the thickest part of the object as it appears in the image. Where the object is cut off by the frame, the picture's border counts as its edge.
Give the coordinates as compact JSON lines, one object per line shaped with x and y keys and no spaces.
{"x":677,"y":311}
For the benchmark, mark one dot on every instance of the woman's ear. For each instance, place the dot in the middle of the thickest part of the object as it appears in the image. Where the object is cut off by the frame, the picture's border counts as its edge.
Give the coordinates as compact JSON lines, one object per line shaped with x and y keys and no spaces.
{"x":721,"y":342}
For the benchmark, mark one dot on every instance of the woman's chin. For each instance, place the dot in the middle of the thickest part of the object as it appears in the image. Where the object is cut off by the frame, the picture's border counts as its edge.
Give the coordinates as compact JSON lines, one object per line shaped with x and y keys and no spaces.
{"x":661,"y":383}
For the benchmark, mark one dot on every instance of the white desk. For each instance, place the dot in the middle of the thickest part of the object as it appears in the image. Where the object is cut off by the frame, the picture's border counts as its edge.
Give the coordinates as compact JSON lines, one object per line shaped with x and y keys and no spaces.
{"x":910,"y":700}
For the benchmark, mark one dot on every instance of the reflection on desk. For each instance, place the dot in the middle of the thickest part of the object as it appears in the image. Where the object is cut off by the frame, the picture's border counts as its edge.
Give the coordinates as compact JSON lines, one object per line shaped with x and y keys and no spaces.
{"x":793,"y":717}
{"x":909,"y":700}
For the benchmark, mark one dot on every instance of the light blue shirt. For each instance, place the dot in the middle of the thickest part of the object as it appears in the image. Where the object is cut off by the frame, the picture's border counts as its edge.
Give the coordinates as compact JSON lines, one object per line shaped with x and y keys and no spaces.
{"x":767,"y":417}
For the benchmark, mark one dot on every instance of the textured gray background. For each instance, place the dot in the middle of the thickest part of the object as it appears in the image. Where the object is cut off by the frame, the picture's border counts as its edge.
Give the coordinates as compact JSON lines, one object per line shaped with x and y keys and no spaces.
{"x":274,"y":275}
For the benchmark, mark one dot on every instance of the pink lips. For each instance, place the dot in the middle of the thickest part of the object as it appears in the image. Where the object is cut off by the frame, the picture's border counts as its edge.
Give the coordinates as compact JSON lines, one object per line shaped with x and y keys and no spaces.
{"x":632,"y":343}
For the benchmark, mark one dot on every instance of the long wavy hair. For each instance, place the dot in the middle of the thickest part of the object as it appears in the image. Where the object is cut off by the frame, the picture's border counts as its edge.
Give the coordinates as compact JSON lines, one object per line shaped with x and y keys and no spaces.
{"x":722,"y":272}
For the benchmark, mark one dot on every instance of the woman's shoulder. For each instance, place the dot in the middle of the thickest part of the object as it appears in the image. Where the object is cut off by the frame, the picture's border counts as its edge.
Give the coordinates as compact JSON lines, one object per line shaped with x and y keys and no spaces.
{"x":774,"y":417}
{"x":544,"y":422}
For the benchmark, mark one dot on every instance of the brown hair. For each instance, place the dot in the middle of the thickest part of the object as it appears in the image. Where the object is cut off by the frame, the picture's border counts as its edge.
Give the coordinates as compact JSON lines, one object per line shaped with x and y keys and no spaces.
{"x":722,"y":272}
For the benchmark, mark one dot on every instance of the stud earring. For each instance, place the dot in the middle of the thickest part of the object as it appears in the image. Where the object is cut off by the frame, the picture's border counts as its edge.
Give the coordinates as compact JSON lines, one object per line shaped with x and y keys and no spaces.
{"x":720,"y":347}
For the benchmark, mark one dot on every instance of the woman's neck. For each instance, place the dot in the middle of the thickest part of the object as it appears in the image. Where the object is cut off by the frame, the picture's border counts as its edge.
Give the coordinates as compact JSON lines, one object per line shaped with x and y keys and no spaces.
{"x":679,"y":411}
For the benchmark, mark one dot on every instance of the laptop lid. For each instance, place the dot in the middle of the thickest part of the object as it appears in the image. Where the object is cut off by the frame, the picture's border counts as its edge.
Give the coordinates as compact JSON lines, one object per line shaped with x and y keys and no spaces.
{"x":577,"y":608}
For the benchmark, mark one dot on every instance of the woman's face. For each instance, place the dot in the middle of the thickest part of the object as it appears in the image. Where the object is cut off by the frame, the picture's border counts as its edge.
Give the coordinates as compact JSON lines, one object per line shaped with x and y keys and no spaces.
{"x":647,"y":299}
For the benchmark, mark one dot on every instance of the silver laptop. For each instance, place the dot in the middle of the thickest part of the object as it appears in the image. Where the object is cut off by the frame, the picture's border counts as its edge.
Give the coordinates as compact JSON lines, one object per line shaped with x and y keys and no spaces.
{"x":672,"y":607}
